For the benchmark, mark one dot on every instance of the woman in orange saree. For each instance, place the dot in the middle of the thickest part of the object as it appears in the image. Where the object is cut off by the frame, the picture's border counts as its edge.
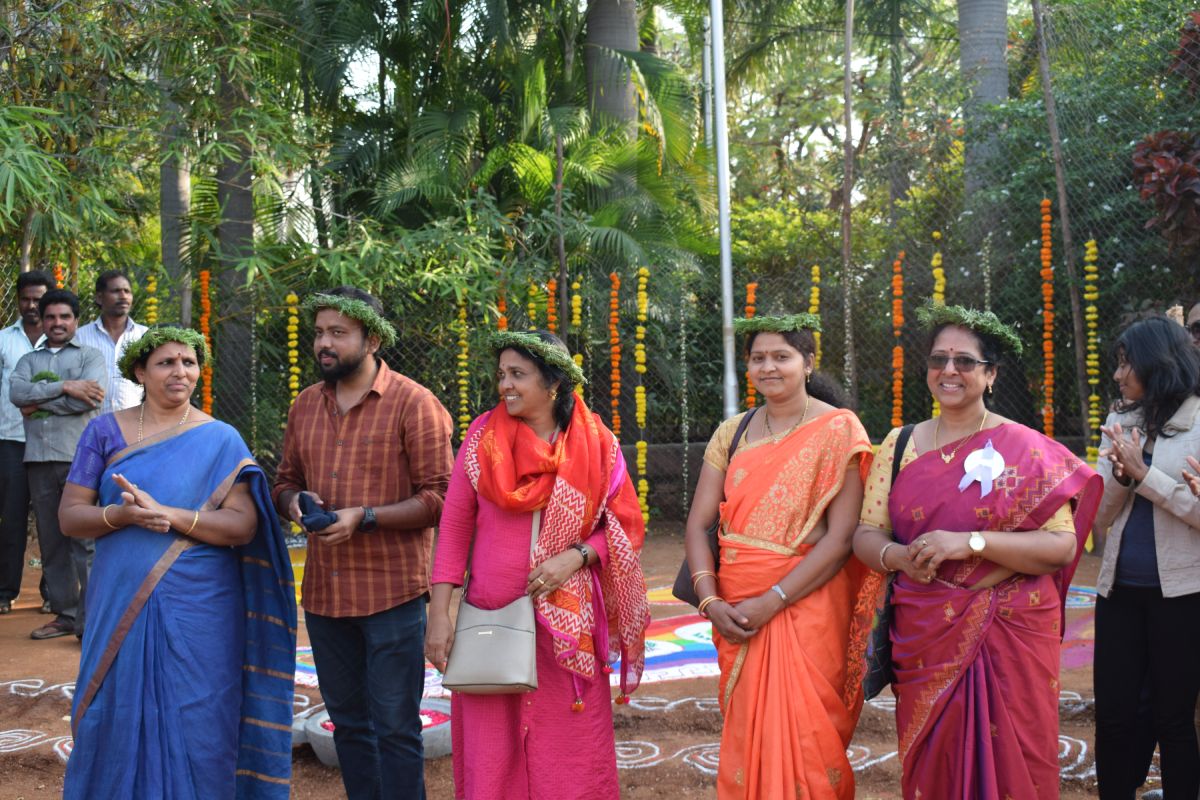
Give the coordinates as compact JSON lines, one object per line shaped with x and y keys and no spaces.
{"x":791,"y":606}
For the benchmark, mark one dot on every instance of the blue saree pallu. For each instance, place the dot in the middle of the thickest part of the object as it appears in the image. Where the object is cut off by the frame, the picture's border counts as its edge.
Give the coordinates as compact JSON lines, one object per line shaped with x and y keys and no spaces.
{"x":186,"y":681}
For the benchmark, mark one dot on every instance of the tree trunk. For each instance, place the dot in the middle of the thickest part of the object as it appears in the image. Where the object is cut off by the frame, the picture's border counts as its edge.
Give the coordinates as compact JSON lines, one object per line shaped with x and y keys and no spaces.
{"x":235,"y":241}
{"x":983,"y":41}
{"x":175,"y":200}
{"x":611,"y":25}
{"x":27,"y":239}
{"x":851,"y":363}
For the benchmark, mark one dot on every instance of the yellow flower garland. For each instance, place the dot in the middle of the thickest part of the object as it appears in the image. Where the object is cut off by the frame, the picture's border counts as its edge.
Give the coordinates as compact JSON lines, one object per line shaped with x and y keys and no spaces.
{"x":639,"y":391}
{"x":814,"y":307}
{"x":939,"y":290}
{"x":293,"y":344}
{"x":531,"y":305}
{"x":751,"y":292}
{"x":897,"y":349}
{"x":614,"y":348}
{"x":577,"y":318}
{"x":1092,"y":316}
{"x":464,"y":371}
{"x":150,"y":305}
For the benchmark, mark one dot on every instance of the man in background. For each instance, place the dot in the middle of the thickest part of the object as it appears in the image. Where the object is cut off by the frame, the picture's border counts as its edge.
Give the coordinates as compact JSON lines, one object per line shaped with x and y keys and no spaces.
{"x":58,"y":387}
{"x":110,"y":333}
{"x":15,"y":341}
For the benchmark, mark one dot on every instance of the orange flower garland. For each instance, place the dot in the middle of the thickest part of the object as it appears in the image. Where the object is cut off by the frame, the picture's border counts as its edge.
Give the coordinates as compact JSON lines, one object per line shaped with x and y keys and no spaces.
{"x":206,"y":372}
{"x":502,"y":310}
{"x":151,"y":302}
{"x":614,"y":342}
{"x":814,"y":308}
{"x":897,"y":349}
{"x":1047,"y":321}
{"x":60,"y":278}
{"x":552,"y":306}
{"x":939,"y":290}
{"x":464,"y":371}
{"x":1092,"y":317}
{"x":751,"y":291}
{"x":293,"y":344}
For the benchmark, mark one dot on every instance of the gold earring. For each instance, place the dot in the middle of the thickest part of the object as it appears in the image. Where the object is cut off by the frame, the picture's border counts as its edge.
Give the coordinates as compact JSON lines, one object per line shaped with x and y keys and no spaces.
{"x":553,"y":395}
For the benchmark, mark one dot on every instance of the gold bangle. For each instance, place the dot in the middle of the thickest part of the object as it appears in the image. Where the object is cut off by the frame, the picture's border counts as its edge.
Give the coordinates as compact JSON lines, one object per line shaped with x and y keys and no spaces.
{"x":195,"y":519}
{"x":706,"y":602}
{"x":883,"y":552}
{"x":104,"y":516}
{"x":696,"y":576}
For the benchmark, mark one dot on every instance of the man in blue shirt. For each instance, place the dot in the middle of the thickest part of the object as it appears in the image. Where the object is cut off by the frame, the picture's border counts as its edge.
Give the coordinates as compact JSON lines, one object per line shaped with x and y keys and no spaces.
{"x":15,"y":341}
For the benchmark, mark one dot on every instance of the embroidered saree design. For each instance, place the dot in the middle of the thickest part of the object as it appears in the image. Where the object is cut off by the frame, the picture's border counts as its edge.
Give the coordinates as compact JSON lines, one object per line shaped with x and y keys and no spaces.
{"x":791,"y":696}
{"x":961,"y":656}
{"x":185,"y":684}
{"x":580,"y":483}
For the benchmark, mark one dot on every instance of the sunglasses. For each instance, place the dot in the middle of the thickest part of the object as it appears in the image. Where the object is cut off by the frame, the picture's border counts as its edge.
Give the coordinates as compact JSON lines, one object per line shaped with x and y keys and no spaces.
{"x":961,"y":363}
{"x":1194,"y":329}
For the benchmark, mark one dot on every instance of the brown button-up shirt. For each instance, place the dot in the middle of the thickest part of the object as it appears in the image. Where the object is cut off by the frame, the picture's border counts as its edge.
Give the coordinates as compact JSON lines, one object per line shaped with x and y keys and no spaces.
{"x":393,"y":445}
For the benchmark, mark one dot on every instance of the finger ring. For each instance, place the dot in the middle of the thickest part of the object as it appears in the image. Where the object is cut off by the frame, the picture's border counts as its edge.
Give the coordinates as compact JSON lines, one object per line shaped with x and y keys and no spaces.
{"x":923,"y":543}
{"x":541,"y":581}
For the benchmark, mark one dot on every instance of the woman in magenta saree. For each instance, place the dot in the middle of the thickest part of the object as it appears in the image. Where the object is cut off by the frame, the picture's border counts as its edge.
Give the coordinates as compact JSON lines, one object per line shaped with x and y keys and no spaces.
{"x":984,"y":530}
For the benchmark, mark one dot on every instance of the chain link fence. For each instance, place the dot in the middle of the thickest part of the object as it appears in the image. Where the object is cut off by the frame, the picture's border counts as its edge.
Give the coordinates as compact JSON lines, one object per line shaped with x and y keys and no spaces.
{"x":1112,"y":86}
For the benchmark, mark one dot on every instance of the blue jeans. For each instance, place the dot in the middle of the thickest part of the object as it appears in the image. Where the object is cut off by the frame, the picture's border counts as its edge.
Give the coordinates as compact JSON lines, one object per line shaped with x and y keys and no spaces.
{"x":372,"y":673}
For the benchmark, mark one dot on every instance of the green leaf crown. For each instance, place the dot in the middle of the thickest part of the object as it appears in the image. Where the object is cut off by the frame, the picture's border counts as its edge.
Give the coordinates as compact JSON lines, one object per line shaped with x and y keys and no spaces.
{"x":355,"y":309}
{"x":155,"y":338}
{"x":779,"y":324}
{"x":552,"y":354}
{"x":932,"y":314}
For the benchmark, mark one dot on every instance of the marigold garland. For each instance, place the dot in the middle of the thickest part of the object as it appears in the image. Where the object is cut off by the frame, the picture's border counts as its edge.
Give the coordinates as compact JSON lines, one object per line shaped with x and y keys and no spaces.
{"x":150,"y":306}
{"x":293,"y":344}
{"x":60,"y":277}
{"x":577,"y":318}
{"x":206,"y":371}
{"x":531,"y":305}
{"x":464,"y":371}
{"x":501,"y":310}
{"x":814,"y":308}
{"x":614,"y":343}
{"x":939,"y":290}
{"x":1047,"y":321}
{"x":751,"y":292}
{"x":897,"y":349}
{"x":1092,"y":317}
{"x":639,"y":392}
{"x":552,"y":306}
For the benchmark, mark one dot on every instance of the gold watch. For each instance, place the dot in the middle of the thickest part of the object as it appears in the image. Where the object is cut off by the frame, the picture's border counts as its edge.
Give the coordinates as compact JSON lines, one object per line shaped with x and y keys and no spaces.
{"x":976,"y":542}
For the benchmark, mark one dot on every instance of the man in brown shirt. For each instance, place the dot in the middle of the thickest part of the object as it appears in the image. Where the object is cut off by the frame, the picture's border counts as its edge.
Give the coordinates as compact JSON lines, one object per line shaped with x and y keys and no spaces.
{"x":373,"y":447}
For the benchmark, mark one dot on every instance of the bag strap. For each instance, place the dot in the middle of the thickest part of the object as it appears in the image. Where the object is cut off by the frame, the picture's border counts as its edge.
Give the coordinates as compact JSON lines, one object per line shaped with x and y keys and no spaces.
{"x":737,"y":435}
{"x":898,"y":453}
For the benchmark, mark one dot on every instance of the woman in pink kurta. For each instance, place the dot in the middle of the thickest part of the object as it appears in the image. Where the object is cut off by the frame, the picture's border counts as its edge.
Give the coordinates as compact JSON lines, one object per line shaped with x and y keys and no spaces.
{"x":541,"y":452}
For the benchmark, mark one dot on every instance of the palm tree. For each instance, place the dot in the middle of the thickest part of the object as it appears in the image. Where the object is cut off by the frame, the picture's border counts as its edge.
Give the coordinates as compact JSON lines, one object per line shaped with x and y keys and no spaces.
{"x":983,"y":43}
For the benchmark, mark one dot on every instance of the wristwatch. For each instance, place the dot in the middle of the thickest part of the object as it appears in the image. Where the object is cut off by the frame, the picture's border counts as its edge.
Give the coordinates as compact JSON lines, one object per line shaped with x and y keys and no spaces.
{"x":976,"y":542}
{"x":368,"y":521}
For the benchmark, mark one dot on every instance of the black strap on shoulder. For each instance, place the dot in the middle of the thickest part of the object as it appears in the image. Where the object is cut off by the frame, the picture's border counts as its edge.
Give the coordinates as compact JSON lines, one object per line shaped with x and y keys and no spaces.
{"x":737,"y":436}
{"x":898,"y":453}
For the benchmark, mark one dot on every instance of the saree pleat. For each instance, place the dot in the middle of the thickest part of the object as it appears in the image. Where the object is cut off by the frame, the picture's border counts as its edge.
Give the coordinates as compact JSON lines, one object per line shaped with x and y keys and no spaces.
{"x":791,"y":696}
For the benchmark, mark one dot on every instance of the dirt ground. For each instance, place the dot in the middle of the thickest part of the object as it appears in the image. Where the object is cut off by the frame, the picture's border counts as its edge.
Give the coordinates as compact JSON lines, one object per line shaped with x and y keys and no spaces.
{"x":667,"y":738}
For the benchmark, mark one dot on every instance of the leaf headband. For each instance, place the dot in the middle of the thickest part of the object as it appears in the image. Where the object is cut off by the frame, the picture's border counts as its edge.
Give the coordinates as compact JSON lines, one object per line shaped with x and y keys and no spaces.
{"x":783,"y":324}
{"x":355,"y":309}
{"x":552,"y":354}
{"x":156,"y":338}
{"x":932,"y":314}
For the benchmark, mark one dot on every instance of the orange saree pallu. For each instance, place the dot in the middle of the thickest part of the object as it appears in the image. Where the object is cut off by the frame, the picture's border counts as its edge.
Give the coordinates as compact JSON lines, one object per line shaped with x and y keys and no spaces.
{"x":791,"y":695}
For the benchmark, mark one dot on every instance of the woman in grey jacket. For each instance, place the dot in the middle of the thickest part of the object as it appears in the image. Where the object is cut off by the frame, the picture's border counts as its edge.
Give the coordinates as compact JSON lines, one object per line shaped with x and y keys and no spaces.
{"x":1148,"y":612}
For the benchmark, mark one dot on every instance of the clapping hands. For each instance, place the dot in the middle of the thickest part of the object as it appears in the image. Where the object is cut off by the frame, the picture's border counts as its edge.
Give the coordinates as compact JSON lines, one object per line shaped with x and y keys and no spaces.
{"x":1125,"y":453}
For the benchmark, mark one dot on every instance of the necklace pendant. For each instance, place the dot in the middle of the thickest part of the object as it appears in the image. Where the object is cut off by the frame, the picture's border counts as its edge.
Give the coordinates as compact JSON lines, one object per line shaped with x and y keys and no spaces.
{"x":946,"y":459}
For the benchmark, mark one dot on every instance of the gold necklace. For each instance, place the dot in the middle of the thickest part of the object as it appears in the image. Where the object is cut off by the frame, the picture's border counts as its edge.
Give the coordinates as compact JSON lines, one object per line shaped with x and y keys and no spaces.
{"x":142,"y":417}
{"x":937,"y":427}
{"x":803,"y":414}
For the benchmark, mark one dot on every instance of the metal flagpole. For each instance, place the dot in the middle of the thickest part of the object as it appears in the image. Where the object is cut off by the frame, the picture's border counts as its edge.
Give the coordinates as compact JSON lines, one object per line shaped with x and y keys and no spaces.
{"x":721,"y":131}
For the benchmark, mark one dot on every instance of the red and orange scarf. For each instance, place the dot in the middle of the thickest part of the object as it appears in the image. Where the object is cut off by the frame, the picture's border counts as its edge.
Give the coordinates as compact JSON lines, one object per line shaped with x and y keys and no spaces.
{"x":580,"y":484}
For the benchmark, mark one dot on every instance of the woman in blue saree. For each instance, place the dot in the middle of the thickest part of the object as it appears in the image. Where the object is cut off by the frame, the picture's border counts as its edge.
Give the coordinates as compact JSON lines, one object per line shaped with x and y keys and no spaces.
{"x":185,"y":684}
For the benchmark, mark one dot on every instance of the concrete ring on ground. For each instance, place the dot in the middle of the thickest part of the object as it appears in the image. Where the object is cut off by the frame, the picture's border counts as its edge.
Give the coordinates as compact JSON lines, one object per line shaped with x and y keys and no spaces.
{"x":435,"y":731}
